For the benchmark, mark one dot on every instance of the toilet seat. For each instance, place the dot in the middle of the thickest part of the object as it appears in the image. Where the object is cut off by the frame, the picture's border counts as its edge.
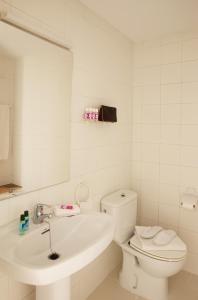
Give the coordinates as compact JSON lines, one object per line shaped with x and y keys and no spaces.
{"x":163,"y":255}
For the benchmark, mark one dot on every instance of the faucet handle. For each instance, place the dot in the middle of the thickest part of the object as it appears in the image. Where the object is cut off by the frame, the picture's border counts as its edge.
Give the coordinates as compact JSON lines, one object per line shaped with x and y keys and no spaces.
{"x":39,"y":213}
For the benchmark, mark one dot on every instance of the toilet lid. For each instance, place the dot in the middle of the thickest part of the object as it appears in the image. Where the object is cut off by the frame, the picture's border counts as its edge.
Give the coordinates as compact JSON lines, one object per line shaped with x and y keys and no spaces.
{"x":166,"y":255}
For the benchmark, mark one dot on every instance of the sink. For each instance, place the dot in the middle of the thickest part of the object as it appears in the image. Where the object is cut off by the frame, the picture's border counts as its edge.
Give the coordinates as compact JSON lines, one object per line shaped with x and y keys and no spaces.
{"x":77,"y":240}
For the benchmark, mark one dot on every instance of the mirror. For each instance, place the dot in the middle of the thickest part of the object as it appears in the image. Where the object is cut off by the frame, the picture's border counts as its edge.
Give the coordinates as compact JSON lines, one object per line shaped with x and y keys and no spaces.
{"x":35,"y":92}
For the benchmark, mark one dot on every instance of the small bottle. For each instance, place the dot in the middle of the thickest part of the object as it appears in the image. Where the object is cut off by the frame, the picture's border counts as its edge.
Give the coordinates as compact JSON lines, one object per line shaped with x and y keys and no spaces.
{"x":96,"y":116}
{"x":84,"y":115}
{"x":91,"y":113}
{"x":27,"y":220}
{"x":87,"y":114}
{"x":22,"y":225}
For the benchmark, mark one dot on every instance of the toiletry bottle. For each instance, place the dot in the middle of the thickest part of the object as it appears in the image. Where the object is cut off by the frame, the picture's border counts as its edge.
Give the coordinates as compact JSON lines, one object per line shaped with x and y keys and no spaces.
{"x":22,"y":225}
{"x":87,"y":114}
{"x":91,"y":113}
{"x":96,"y":114}
{"x":26,"y":214}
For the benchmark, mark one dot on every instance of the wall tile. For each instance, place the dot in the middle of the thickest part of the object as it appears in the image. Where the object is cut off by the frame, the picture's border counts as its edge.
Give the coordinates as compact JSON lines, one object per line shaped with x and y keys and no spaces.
{"x":189,"y":113}
{"x":168,"y":214}
{"x":171,"y":73}
{"x":189,"y":135}
{"x":151,"y":75}
{"x":190,"y":92}
{"x":151,"y":114}
{"x":190,"y":71}
{"x":170,"y":134}
{"x":190,"y":49}
{"x":150,"y":171}
{"x":149,"y":210}
{"x":189,"y":156}
{"x":150,"y":153}
{"x":171,"y":114}
{"x":138,"y":94}
{"x":189,"y":220}
{"x":169,"y":194}
{"x":136,"y":170}
{"x":170,"y":154}
{"x":136,"y":151}
{"x":169,"y":174}
{"x":150,"y":133}
{"x":191,"y":264}
{"x":152,"y":56}
{"x":171,"y":53}
{"x":191,"y":239}
{"x":151,"y":94}
{"x":149,"y":191}
{"x":137,"y":113}
{"x":171,"y":93}
{"x":189,"y":177}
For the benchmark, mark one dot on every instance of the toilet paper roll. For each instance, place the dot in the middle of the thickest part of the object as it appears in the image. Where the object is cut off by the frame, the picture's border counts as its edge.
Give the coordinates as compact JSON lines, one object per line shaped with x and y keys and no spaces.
{"x":189,"y":201}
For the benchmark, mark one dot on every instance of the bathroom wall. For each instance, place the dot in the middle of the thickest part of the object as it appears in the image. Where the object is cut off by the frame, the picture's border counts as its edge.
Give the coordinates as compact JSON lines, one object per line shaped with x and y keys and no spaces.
{"x":165,"y":134}
{"x":100,"y":153}
{"x":7,"y":69}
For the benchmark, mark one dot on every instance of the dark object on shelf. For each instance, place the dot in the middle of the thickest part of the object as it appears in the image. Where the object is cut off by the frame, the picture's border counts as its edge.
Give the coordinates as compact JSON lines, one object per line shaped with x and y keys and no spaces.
{"x":107,"y":114}
{"x":9,"y":188}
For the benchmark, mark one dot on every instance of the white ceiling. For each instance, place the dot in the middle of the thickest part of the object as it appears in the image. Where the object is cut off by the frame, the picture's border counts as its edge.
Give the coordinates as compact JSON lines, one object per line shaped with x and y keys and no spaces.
{"x":147,"y":19}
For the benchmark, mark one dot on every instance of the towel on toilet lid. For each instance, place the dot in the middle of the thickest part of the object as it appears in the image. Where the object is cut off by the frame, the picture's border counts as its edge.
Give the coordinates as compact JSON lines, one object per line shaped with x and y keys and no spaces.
{"x":148,"y":245}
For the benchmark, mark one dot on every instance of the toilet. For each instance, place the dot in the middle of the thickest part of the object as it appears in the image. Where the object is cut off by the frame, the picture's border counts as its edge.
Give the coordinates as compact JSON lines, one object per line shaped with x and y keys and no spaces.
{"x":144,"y":273}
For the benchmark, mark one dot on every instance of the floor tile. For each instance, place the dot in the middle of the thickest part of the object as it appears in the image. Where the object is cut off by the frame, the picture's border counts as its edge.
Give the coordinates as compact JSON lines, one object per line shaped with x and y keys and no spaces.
{"x":183,"y":286}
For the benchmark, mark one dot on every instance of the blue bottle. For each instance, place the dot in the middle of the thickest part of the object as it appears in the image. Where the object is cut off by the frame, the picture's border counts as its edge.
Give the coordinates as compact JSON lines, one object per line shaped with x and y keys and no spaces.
{"x":26,"y":214}
{"x":22,"y":225}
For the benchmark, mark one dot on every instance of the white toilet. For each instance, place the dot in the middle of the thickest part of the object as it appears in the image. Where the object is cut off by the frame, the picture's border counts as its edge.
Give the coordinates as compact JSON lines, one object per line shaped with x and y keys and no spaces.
{"x":144,"y":273}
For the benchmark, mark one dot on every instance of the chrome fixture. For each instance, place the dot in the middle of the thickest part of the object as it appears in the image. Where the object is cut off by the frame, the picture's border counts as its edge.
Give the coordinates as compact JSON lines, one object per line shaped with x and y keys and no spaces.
{"x":39,"y":215}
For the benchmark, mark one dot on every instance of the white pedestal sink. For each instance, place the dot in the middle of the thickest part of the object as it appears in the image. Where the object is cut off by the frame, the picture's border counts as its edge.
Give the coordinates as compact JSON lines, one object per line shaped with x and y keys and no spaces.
{"x":78,"y":240}
{"x":58,"y":290}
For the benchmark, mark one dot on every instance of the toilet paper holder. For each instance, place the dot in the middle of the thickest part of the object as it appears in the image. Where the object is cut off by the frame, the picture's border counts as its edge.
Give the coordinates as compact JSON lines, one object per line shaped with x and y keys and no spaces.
{"x":189,"y":201}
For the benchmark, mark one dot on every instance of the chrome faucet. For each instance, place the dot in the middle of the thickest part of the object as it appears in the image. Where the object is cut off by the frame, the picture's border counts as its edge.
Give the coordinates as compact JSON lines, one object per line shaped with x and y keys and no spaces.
{"x":39,"y":215}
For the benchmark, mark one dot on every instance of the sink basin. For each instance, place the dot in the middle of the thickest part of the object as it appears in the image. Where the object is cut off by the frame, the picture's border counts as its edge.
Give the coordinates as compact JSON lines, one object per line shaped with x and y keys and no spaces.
{"x":78,"y":240}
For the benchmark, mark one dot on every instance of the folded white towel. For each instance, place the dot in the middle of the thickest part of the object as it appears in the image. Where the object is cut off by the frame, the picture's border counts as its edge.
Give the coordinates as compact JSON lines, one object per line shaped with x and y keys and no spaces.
{"x":148,"y":245}
{"x":4,"y":131}
{"x":59,"y":211}
{"x":164,"y":237}
{"x":150,"y":232}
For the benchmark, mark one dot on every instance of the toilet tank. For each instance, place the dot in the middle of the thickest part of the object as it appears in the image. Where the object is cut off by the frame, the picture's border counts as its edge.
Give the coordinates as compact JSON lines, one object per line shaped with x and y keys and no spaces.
{"x":122,"y":205}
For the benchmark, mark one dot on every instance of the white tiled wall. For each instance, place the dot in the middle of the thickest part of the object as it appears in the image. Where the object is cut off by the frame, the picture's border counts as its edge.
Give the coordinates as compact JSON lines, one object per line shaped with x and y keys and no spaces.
{"x":165,"y":134}
{"x":100,"y":153}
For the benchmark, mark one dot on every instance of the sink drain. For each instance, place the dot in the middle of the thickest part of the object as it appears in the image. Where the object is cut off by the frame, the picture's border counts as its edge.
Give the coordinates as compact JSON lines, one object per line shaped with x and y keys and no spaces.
{"x":53,"y":256}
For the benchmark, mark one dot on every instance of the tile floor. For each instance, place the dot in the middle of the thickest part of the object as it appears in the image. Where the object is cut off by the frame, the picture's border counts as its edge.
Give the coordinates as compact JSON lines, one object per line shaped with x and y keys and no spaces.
{"x":183,"y":286}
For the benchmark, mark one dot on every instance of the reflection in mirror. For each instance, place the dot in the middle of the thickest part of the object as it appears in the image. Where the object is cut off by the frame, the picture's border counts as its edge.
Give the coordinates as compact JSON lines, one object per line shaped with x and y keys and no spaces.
{"x":35,"y":91}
